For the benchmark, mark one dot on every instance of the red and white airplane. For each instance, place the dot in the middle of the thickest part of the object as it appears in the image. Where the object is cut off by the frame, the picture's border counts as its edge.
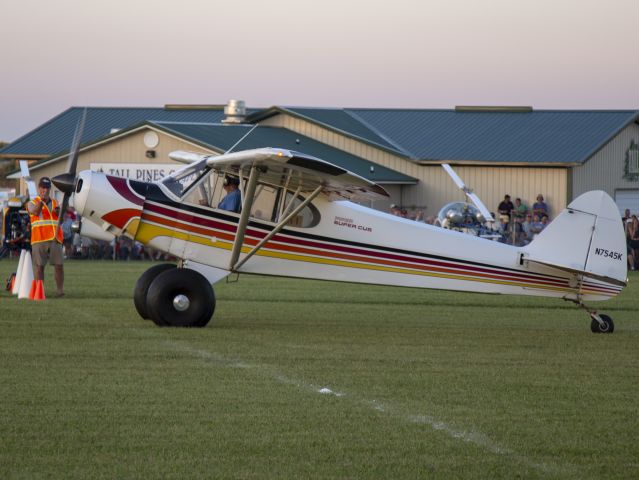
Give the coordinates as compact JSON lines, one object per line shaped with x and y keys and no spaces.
{"x":299,"y":219}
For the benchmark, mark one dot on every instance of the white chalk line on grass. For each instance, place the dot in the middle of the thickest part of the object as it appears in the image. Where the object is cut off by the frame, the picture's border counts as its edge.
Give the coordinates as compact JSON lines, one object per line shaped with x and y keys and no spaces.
{"x":476,"y":438}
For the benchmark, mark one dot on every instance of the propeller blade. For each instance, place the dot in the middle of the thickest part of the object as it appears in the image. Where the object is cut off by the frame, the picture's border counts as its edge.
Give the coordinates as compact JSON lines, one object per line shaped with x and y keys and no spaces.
{"x":480,"y":205}
{"x":75,"y":146}
{"x":63,"y":209}
{"x":66,"y":181}
{"x":24,"y":169}
{"x":458,"y":181}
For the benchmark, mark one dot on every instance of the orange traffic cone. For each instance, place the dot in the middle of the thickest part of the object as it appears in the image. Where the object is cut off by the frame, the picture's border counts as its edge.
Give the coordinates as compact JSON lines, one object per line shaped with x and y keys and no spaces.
{"x":39,"y":292}
{"x":32,"y":292}
{"x":13,"y":282}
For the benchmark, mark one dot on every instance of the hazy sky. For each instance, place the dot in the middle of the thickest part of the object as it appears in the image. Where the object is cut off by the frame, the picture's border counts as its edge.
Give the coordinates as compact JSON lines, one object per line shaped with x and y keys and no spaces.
{"x":338,"y":53}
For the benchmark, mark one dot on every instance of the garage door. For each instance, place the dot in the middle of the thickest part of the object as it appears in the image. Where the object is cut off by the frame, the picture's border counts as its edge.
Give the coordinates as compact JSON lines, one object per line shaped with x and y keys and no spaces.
{"x":627,"y":199}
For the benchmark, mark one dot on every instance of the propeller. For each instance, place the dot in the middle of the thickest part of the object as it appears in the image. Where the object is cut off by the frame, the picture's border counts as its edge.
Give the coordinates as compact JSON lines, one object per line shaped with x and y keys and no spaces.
{"x":66,"y":181}
{"x":469,"y":193}
{"x":24,"y":169}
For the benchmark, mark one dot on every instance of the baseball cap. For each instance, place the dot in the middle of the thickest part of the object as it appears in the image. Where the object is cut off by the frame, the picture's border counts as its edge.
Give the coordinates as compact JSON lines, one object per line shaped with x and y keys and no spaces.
{"x":45,"y":182}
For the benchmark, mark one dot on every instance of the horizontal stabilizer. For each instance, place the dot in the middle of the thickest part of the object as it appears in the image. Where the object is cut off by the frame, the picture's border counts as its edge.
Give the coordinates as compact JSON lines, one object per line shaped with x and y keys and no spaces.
{"x":613,"y":281}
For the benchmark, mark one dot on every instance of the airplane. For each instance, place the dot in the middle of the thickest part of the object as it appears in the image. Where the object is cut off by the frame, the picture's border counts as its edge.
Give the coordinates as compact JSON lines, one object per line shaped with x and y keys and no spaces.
{"x":299,"y":218}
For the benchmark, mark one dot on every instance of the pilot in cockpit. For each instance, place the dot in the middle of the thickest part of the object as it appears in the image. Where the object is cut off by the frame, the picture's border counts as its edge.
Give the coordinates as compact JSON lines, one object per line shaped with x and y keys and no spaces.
{"x":233,"y":199}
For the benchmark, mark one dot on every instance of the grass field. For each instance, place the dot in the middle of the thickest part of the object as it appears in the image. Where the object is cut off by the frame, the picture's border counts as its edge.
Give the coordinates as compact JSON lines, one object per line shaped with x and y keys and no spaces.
{"x":304,"y":379}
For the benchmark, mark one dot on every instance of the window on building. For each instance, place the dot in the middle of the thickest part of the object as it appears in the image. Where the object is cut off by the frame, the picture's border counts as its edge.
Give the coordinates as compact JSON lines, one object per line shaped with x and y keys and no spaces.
{"x":633,"y":160}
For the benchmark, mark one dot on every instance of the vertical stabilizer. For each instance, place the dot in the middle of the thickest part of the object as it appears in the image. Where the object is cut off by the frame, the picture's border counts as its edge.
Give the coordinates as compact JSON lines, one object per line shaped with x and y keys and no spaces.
{"x":586,"y":237}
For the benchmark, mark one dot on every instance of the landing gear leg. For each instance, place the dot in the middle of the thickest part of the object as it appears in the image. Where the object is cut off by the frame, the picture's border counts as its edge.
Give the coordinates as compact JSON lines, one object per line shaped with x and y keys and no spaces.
{"x":599,"y":323}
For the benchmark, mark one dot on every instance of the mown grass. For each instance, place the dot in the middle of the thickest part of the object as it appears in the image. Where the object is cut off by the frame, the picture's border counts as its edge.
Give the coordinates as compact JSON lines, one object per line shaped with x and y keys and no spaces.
{"x":419,"y":384}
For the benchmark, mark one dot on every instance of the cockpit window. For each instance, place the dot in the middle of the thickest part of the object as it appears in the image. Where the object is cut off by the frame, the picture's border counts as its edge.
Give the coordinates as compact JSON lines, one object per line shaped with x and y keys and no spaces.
{"x":181,"y":181}
{"x":203,"y":186}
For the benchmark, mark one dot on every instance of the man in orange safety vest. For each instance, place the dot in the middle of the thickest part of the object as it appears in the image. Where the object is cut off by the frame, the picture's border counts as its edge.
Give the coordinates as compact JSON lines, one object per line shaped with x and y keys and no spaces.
{"x":46,"y":237}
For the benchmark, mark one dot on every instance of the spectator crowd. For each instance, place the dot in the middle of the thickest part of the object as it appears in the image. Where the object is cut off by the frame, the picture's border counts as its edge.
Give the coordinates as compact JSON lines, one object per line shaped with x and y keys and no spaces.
{"x":518,"y":224}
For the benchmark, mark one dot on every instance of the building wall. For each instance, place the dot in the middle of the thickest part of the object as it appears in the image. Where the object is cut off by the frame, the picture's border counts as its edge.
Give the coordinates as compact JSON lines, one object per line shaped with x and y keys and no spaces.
{"x":435,"y":188}
{"x":605,"y":170}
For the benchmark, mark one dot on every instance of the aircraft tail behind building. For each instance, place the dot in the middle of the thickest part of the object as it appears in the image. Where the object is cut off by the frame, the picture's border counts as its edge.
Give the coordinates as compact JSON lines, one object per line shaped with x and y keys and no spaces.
{"x":586,"y":238}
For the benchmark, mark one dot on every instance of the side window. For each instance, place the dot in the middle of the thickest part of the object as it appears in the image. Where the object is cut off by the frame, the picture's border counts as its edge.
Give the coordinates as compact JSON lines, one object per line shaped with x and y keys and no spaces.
{"x":308,"y":217}
{"x":208,"y":192}
{"x":264,"y":205}
{"x":216,"y":188}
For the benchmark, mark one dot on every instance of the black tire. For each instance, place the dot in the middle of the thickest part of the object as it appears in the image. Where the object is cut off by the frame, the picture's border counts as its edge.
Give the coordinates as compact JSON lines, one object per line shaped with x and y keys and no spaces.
{"x":608,"y":326}
{"x":142,"y":287}
{"x":180,"y":282}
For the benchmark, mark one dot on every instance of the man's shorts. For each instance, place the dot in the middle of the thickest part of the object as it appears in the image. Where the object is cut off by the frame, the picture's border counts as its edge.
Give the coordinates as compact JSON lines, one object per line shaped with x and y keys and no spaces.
{"x":43,"y":252}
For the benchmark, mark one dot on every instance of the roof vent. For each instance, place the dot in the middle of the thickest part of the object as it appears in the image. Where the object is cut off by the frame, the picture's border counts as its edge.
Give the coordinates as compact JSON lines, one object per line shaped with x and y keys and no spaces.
{"x":235,"y":111}
{"x":493,"y":109}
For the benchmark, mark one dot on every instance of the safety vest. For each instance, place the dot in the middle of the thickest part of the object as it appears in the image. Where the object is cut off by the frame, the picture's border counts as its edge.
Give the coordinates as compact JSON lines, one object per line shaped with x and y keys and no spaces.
{"x":44,"y":226}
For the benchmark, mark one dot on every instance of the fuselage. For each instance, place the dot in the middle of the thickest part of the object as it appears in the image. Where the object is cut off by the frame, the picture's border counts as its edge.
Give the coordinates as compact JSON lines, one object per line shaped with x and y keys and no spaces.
{"x":349,"y":243}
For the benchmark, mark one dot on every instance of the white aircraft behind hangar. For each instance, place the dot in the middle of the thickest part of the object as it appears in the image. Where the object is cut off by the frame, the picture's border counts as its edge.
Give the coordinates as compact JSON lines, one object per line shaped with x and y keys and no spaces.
{"x":298,"y":219}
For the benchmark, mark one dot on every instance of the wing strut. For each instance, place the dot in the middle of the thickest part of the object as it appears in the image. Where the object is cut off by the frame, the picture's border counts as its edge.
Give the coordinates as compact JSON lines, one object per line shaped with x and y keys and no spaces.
{"x":278,"y":227}
{"x":247,"y":203}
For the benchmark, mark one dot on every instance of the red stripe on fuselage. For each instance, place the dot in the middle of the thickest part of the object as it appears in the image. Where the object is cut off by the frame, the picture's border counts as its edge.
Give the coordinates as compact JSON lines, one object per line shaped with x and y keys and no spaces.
{"x":121,"y":185}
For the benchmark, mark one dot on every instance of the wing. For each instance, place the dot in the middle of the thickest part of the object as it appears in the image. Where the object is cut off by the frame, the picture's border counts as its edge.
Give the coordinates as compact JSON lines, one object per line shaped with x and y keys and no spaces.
{"x":294,"y":170}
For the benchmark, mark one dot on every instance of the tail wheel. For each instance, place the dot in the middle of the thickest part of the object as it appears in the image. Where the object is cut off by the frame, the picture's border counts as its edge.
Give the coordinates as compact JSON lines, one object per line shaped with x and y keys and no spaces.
{"x":142,"y":287}
{"x":180,"y":298}
{"x":607,"y":327}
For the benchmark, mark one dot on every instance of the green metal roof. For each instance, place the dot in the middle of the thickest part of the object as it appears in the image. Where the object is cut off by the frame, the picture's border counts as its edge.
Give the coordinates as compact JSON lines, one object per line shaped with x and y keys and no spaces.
{"x":567,"y":137}
{"x":222,"y":137}
{"x":55,"y":136}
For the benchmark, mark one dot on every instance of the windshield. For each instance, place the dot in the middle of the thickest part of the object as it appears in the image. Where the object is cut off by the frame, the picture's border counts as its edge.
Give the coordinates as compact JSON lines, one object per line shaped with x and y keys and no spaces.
{"x":181,"y":181}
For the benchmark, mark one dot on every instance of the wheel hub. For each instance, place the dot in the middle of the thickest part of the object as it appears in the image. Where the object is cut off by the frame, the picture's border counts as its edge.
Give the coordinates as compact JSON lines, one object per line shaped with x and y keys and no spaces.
{"x":181,"y":303}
